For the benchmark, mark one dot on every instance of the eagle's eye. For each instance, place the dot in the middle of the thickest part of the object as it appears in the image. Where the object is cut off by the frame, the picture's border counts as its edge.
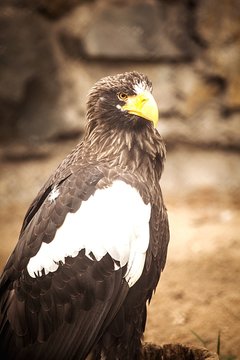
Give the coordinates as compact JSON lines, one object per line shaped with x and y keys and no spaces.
{"x":122,"y":96}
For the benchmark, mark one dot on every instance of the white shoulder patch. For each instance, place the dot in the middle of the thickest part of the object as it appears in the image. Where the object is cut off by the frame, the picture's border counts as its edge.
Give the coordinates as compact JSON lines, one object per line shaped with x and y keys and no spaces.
{"x":114,"y":220}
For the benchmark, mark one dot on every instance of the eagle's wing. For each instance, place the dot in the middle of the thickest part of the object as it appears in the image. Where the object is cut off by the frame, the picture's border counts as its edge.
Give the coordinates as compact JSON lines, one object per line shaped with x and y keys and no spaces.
{"x":80,"y":250}
{"x":65,"y":169}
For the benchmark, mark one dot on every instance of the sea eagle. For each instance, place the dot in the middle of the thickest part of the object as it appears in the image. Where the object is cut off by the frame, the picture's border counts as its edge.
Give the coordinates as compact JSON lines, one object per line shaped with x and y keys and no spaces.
{"x":94,"y":241}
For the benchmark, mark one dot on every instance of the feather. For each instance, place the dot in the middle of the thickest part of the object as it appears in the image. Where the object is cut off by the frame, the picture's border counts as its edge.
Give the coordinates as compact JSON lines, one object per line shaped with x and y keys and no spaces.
{"x":93,"y":242}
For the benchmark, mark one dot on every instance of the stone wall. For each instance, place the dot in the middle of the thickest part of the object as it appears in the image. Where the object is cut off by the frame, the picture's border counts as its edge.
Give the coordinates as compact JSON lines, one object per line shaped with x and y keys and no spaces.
{"x":52,"y":52}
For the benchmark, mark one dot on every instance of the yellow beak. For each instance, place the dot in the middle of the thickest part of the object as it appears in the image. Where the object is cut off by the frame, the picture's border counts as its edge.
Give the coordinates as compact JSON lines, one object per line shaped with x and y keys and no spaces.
{"x":143,"y":105}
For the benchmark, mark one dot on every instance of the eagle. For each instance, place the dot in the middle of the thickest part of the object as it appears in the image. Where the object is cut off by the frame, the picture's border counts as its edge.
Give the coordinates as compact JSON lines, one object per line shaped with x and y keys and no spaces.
{"x":94,"y":241}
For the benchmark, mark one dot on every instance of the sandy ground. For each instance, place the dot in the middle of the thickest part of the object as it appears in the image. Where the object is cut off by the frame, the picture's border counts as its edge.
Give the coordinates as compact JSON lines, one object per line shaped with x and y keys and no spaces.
{"x":198,"y":295}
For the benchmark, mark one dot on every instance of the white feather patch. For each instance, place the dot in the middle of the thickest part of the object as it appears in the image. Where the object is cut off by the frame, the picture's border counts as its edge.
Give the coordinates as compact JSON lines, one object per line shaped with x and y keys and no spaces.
{"x":140,"y":87}
{"x":53,"y":194}
{"x":114,"y":220}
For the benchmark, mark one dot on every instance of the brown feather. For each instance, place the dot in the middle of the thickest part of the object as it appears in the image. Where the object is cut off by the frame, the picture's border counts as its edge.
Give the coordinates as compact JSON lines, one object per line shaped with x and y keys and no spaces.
{"x":87,"y":306}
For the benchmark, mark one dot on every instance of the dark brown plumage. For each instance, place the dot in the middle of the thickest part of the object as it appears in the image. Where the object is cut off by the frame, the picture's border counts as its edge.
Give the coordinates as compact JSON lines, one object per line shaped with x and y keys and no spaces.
{"x":81,"y":297}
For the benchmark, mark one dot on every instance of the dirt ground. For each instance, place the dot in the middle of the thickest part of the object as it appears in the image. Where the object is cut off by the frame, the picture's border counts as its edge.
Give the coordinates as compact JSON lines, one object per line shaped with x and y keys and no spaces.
{"x":198,"y":295}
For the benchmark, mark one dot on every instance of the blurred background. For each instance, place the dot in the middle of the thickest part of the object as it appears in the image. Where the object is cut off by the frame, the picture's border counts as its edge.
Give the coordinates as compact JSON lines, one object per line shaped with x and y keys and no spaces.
{"x":52,"y":52}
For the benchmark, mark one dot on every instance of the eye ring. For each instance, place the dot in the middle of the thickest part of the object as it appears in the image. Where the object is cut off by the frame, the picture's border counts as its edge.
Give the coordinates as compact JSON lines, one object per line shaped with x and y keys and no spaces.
{"x":122,"y":96}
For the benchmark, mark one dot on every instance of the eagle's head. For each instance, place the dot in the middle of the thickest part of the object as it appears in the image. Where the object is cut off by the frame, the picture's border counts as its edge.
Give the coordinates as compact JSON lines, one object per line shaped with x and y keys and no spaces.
{"x":122,"y":101}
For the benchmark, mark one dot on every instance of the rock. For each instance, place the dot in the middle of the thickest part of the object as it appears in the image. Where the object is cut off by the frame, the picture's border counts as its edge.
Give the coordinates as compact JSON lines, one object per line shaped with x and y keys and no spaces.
{"x":195,"y":114}
{"x":47,"y":67}
{"x":54,"y":8}
{"x":217,"y":23}
{"x":51,"y":9}
{"x":26,"y":54}
{"x":176,"y":352}
{"x":23,"y":42}
{"x":32,"y":99}
{"x":135,"y":31}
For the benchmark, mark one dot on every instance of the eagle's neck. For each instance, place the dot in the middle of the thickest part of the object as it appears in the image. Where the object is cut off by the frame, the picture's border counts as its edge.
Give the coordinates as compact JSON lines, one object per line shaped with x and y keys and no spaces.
{"x":141,"y":151}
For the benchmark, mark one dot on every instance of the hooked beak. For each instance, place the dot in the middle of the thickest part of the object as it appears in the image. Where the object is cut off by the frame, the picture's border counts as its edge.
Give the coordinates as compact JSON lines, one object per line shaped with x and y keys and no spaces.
{"x":143,"y":105}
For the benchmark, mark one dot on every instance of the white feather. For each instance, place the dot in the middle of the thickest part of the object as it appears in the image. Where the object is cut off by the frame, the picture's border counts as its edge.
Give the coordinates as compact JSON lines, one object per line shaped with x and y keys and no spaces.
{"x":53,"y":194}
{"x":140,"y":87}
{"x":114,"y":220}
